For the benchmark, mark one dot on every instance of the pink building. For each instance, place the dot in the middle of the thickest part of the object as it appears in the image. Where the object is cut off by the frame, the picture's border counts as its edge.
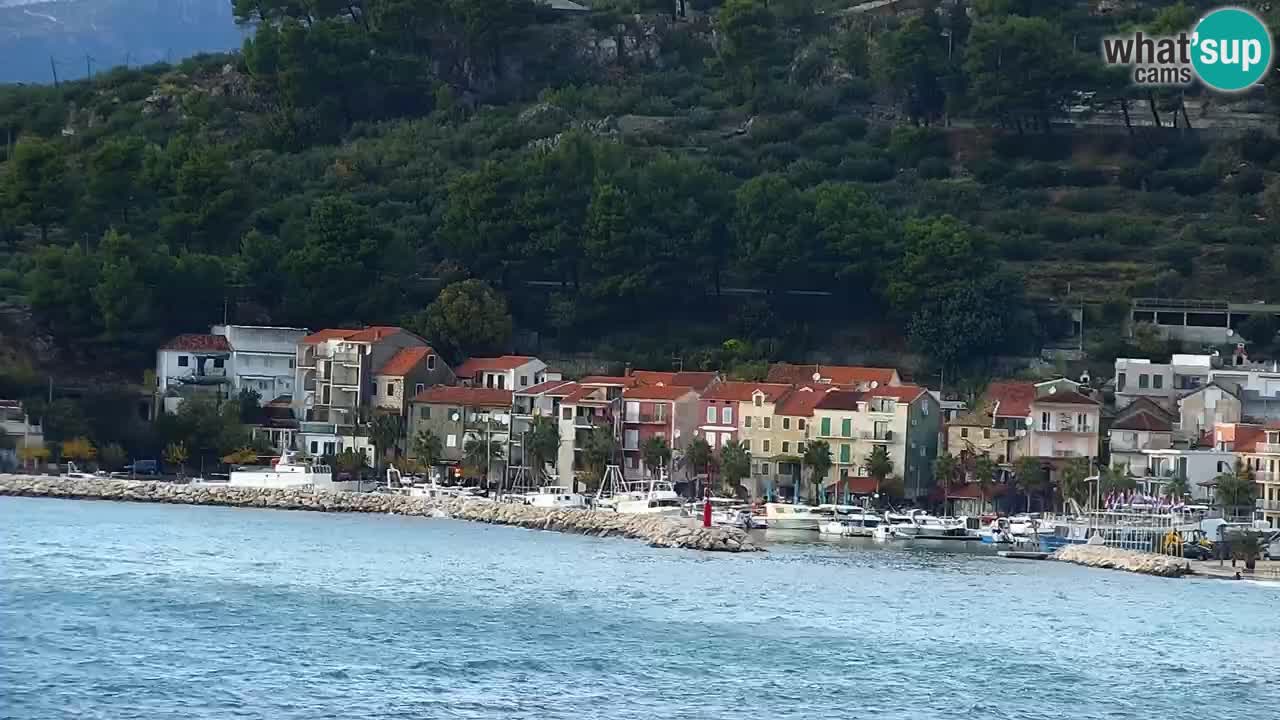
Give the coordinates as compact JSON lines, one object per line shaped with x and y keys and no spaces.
{"x":666,"y":411}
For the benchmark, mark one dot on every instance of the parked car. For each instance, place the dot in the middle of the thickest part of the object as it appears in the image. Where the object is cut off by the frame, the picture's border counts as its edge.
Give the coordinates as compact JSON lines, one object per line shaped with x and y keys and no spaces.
{"x":1196,"y":551}
{"x":142,"y":467}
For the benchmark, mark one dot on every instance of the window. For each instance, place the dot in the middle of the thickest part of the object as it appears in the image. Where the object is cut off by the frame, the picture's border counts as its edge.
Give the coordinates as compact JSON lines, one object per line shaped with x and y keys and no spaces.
{"x":986,"y":434}
{"x":764,"y":468}
{"x":424,"y":412}
{"x":183,"y":360}
{"x":846,"y":427}
{"x":568,"y":413}
{"x":219,"y":362}
{"x":746,"y":444}
{"x":826,"y":427}
{"x":373,"y":388}
{"x":801,"y":423}
{"x":786,"y":446}
{"x":1082,"y":421}
{"x":328,"y":448}
{"x":315,"y":447}
{"x":1157,"y":381}
{"x":419,"y":387}
{"x":431,"y":362}
{"x":631,"y":440}
{"x":964,"y":432}
{"x":767,"y":422}
{"x":924,"y":408}
{"x":922,"y":449}
{"x":1044,"y":421}
{"x":758,"y":400}
{"x":726,"y":415}
{"x":766,"y":446}
{"x":1120,"y":382}
{"x":524,"y":381}
{"x":711,"y":414}
{"x":844,"y":452}
{"x":391,"y":389}
{"x":1143,"y":381}
{"x":451,"y":440}
{"x":502,"y":382}
{"x":786,"y":423}
{"x":800,"y":448}
{"x":746,"y":421}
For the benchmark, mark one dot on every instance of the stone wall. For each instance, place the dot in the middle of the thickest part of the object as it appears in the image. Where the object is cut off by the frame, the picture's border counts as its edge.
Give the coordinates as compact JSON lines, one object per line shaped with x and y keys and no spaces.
{"x":657,"y":531}
{"x":1101,"y":556}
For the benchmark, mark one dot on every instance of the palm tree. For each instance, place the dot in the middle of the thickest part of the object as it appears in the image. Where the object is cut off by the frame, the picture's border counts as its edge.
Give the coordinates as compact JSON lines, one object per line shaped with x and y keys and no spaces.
{"x":176,"y":454}
{"x":655,"y":453}
{"x":1116,"y":479}
{"x":543,"y":445}
{"x":599,"y":450}
{"x":698,"y":457}
{"x":945,"y":468}
{"x":1177,"y":487}
{"x":817,"y":457}
{"x":1235,"y":489}
{"x":879,"y":465}
{"x":1030,"y":477}
{"x":479,"y":454}
{"x":384,"y":432}
{"x":427,"y":448}
{"x":1072,"y":481}
{"x":984,"y":473}
{"x":735,"y":464}
{"x":351,"y":462}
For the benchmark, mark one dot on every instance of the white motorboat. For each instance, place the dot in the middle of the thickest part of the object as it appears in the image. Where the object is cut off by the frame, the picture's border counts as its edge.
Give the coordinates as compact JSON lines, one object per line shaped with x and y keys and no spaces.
{"x":894,"y":526}
{"x":555,"y":496}
{"x":922,"y":525}
{"x":725,"y":512}
{"x":288,"y":472}
{"x":849,"y":521}
{"x":656,"y":497}
{"x":788,"y":516}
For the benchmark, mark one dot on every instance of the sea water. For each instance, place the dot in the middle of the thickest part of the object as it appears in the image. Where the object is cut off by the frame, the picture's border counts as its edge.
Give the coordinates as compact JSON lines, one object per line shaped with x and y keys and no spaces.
{"x":117,"y":611}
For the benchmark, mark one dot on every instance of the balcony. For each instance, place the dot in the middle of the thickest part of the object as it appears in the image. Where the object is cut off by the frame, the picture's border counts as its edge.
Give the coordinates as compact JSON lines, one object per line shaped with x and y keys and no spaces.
{"x":882,"y":436}
{"x":1067,"y":454}
{"x":327,"y":428}
{"x":650,"y":418}
{"x":1268,"y":505}
{"x":1268,"y":448}
{"x":587,"y":421}
{"x":307,"y":358}
{"x":1073,"y":430}
{"x":346,"y":358}
{"x":345,"y":377}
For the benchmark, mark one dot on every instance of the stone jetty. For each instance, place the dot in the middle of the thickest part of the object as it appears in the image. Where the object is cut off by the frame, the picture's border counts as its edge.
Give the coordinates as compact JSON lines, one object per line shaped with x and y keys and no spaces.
{"x":1101,"y":556}
{"x":657,"y":531}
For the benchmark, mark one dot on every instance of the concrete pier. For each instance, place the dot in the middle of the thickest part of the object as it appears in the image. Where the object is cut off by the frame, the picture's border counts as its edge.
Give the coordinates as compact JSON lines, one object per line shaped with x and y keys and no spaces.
{"x":657,"y":531}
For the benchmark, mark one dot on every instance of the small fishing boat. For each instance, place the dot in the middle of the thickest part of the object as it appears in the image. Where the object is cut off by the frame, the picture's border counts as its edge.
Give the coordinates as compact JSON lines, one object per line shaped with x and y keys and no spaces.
{"x":849,"y":521}
{"x":788,"y":516}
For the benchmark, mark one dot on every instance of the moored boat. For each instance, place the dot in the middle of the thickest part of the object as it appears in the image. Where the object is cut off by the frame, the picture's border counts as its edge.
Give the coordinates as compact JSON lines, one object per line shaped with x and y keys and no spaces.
{"x":788,"y":516}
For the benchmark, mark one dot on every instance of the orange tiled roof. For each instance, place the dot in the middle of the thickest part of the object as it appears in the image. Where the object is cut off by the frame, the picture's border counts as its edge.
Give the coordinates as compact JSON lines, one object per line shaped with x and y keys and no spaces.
{"x":196,"y":342}
{"x":696,"y":380}
{"x":801,"y":401}
{"x":471,"y":366}
{"x":465,"y":396}
{"x":405,"y":361}
{"x":837,"y":374}
{"x":373,"y":333}
{"x":320,"y":336}
{"x":1014,"y":398}
{"x":657,"y":392}
{"x":742,"y":391}
{"x":584,"y":394}
{"x":544,"y":387}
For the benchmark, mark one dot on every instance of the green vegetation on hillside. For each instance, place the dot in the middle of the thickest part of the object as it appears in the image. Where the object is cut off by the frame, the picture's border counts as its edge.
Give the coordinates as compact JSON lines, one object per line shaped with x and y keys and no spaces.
{"x":359,"y":156}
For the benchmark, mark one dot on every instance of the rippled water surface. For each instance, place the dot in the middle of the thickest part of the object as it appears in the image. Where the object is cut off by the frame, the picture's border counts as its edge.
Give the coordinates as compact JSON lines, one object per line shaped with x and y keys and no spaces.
{"x":150,"y":611}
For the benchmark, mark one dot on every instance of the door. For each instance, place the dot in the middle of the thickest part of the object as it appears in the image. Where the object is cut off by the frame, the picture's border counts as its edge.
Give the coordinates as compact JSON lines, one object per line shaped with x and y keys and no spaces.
{"x":633,"y":411}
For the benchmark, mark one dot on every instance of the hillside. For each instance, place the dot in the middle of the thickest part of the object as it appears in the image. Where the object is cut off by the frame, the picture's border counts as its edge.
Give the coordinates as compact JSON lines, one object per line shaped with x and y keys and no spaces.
{"x":701,"y":184}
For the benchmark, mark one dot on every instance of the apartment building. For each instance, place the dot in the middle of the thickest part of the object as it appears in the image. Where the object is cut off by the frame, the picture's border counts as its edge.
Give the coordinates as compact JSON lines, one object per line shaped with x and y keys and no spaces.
{"x":905,"y":420}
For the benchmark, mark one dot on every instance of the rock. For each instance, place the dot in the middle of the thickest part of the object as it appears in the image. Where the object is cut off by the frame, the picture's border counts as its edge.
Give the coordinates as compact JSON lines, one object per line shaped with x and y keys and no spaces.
{"x":1101,"y":556}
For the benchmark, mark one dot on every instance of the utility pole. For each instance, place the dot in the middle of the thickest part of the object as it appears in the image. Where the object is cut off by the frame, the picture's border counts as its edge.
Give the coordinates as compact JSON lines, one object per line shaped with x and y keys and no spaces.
{"x":53,"y":65}
{"x":88,"y":66}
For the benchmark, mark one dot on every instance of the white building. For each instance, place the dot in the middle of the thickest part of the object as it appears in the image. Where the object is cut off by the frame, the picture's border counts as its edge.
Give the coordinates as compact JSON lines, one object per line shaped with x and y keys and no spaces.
{"x":19,"y":431}
{"x":230,"y":358}
{"x":1161,"y":382}
{"x":509,"y":372}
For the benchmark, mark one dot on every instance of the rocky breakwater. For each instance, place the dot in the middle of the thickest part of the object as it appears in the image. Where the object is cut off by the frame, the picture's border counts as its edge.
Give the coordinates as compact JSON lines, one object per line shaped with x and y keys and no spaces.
{"x":657,"y":531}
{"x":1101,"y":556}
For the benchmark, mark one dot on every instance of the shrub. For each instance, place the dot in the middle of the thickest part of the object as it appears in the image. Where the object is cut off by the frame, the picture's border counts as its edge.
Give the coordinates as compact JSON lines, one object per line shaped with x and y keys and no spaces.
{"x":1248,"y":181}
{"x":851,"y":127}
{"x":867,"y":169}
{"x":909,"y":145}
{"x":933,"y":168}
{"x":1181,"y":257}
{"x":1093,"y":200}
{"x":1084,"y":176}
{"x":820,"y":135}
{"x":1248,"y":260}
{"x":989,"y":170}
{"x":1186,"y":182}
{"x":1034,"y":175}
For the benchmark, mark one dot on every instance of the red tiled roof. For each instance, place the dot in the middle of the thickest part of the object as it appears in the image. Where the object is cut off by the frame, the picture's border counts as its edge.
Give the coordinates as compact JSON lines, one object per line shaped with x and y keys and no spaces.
{"x":1066,"y":397}
{"x":471,"y":366}
{"x":1014,"y":398}
{"x":801,"y":401}
{"x":855,"y":485}
{"x":1142,"y":421}
{"x":607,"y":380}
{"x":837,"y":374}
{"x":657,"y":392}
{"x":1247,"y":437}
{"x":841,"y":400}
{"x":696,"y":380}
{"x":320,"y":336}
{"x":583,"y":394}
{"x":195,"y":342}
{"x":742,"y":391}
{"x":544,"y":387}
{"x":903,"y":393}
{"x":405,"y":361}
{"x":465,"y":396}
{"x":373,"y":333}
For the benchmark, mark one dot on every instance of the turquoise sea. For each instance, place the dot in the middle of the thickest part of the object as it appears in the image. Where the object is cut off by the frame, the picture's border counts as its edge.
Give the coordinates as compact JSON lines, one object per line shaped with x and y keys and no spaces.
{"x":119,"y":611}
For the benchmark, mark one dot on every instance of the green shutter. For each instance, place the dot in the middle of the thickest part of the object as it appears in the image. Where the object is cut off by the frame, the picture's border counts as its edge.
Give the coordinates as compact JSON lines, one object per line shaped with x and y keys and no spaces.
{"x":826,"y":427}
{"x":846,"y":427}
{"x":844,"y":453}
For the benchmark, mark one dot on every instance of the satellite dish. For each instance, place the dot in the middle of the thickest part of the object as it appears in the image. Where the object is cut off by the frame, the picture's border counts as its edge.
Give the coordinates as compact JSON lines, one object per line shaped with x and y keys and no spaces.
{"x":1053,"y":389}
{"x":454,"y":416}
{"x":1230,"y":332}
{"x":874,"y":384}
{"x":677,"y":434}
{"x":817,"y":376}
